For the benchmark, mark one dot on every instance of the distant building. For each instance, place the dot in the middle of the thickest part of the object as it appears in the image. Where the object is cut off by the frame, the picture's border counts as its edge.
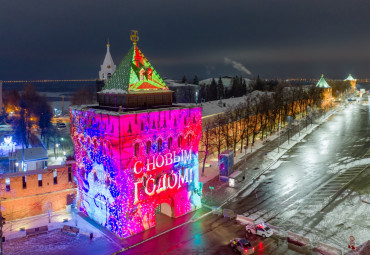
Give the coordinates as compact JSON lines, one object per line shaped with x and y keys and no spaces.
{"x":326,"y":91}
{"x":108,"y":67}
{"x":28,"y":159}
{"x":352,"y":82}
{"x":184,"y":92}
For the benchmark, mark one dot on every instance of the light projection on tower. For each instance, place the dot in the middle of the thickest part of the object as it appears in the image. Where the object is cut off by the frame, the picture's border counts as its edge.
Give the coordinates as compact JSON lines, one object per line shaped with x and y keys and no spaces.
{"x":130,"y":163}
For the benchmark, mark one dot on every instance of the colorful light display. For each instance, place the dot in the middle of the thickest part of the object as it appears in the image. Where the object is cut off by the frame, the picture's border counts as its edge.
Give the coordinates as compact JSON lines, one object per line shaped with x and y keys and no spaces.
{"x":135,"y":73}
{"x":127,"y":164}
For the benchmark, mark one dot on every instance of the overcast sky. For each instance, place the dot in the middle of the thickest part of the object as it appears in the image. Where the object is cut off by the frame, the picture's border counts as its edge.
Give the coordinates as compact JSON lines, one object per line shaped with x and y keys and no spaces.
{"x":49,"y":39}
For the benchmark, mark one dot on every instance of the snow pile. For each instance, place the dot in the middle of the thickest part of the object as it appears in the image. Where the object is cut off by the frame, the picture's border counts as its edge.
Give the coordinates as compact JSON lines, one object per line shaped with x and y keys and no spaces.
{"x":113,"y":91}
{"x":220,"y":106}
{"x":341,"y":168}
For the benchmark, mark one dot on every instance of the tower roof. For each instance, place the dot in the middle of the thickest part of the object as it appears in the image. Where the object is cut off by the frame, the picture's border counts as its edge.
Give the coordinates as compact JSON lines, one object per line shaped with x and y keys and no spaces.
{"x":322,"y":83}
{"x":135,"y":74}
{"x":350,"y":78}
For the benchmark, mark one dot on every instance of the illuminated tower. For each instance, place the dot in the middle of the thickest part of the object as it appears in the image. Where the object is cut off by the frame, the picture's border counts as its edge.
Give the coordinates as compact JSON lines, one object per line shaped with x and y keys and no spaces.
{"x":1,"y":96}
{"x":136,"y":153}
{"x":108,"y":67}
{"x":326,"y":91}
{"x":352,"y":82}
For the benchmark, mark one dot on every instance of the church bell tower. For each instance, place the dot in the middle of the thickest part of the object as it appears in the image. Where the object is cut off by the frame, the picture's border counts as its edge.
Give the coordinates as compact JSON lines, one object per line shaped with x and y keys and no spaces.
{"x":108,"y":67}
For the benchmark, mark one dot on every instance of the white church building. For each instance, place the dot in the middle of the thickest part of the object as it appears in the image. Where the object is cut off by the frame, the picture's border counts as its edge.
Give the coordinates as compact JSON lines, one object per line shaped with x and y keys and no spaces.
{"x":108,"y":67}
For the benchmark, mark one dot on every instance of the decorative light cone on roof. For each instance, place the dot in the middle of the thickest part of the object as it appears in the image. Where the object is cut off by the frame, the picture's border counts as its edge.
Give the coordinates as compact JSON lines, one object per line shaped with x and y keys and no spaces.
{"x":322,"y":83}
{"x":135,"y":73}
{"x":134,"y":78}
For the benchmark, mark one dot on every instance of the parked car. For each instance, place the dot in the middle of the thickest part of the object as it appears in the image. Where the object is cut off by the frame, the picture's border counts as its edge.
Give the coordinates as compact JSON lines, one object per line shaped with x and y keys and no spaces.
{"x":61,"y":125}
{"x":242,"y":245}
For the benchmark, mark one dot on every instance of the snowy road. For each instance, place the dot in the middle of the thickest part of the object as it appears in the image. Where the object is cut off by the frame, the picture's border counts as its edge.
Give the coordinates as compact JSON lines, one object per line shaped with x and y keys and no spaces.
{"x":317,"y":189}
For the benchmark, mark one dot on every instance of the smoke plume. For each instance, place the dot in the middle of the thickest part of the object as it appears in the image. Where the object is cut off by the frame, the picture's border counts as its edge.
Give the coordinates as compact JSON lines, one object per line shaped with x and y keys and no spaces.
{"x":238,"y":66}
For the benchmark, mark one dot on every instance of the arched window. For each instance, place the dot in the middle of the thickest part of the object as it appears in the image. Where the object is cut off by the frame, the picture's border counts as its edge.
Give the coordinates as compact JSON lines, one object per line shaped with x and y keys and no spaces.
{"x":148,"y":147}
{"x":159,"y":144}
{"x":136,"y":148}
{"x":170,"y":143}
{"x":179,"y":141}
{"x":188,"y":140}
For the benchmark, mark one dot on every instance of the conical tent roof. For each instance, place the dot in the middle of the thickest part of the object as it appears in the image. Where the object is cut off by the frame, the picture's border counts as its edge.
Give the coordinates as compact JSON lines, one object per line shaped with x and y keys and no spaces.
{"x":350,"y":78}
{"x":135,"y":74}
{"x":322,"y":83}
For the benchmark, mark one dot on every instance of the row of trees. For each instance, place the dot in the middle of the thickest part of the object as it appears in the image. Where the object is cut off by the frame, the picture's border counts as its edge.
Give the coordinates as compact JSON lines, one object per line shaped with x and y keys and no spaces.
{"x":29,"y":109}
{"x":259,"y":114}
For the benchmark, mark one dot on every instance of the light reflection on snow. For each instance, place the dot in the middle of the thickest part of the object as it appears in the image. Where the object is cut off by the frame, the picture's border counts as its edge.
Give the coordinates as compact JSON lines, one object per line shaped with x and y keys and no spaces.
{"x":324,"y":147}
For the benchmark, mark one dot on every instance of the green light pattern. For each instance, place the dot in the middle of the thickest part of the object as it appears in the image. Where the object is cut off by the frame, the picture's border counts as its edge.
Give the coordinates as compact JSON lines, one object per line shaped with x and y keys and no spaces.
{"x":135,"y":73}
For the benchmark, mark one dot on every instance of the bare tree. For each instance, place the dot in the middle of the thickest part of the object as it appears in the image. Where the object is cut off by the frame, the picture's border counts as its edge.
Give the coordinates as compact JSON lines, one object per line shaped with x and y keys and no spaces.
{"x":218,"y":132}
{"x":82,"y":96}
{"x":255,"y":110}
{"x":246,"y":124}
{"x":206,"y":141}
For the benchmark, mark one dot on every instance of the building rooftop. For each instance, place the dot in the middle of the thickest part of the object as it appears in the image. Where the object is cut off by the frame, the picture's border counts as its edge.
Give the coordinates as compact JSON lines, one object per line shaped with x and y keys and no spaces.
{"x":125,"y":111}
{"x":30,"y":154}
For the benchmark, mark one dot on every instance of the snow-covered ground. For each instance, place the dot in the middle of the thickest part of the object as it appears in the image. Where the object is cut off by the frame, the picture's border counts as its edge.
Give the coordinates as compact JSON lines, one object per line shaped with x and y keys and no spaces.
{"x":12,"y":229}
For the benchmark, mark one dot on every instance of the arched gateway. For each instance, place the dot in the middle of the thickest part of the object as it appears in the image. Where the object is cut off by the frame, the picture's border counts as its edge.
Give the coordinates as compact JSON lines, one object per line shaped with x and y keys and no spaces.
{"x":127,"y":163}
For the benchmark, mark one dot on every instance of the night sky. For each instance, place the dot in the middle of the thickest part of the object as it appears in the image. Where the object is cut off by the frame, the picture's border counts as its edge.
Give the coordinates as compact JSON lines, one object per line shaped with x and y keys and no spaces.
{"x":49,"y":39}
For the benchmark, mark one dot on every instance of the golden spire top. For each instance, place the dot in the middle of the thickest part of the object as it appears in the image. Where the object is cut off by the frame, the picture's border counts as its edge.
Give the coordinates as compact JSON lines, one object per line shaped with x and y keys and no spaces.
{"x":108,"y":42}
{"x":134,"y":36}
{"x":322,"y":75}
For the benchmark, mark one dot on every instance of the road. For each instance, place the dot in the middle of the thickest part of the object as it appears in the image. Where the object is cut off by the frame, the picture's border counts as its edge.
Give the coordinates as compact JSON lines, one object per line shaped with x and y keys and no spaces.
{"x":294,"y":194}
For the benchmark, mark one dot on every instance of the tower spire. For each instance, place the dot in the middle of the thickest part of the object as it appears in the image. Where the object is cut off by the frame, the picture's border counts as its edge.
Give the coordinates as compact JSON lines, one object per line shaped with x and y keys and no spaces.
{"x":134,"y":36}
{"x":108,"y":67}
